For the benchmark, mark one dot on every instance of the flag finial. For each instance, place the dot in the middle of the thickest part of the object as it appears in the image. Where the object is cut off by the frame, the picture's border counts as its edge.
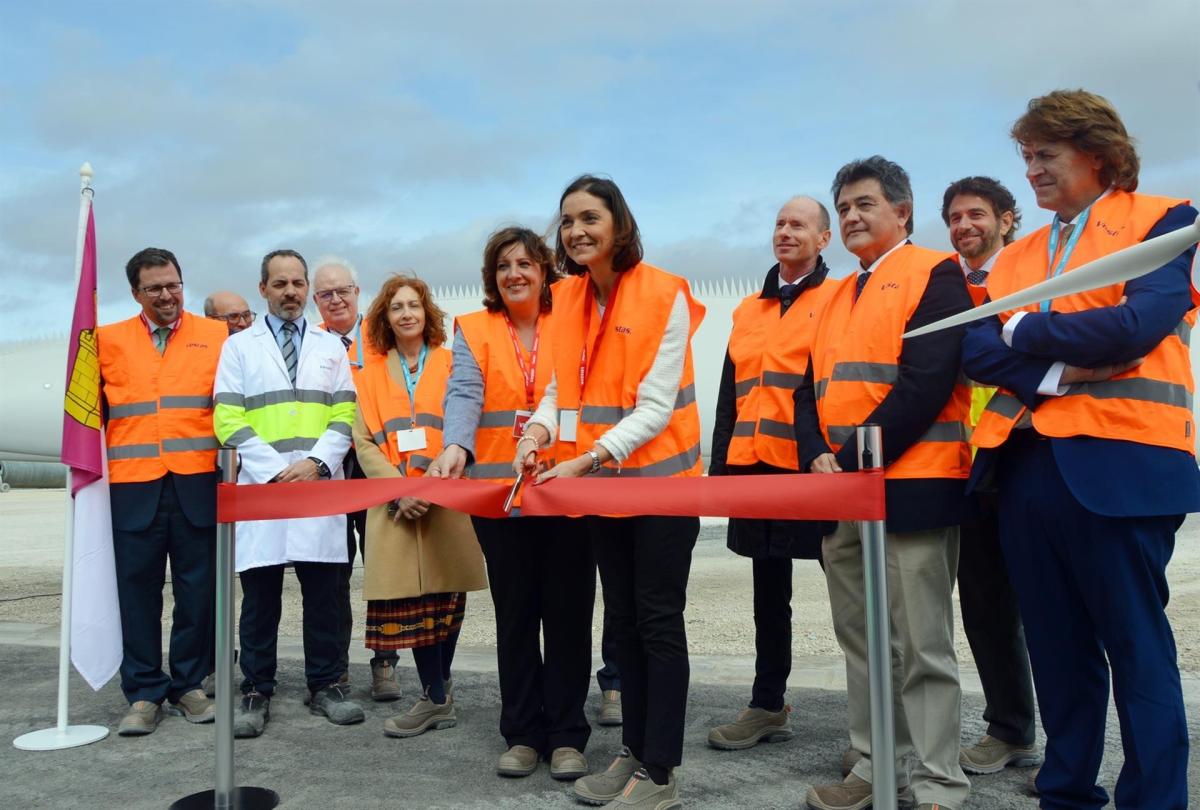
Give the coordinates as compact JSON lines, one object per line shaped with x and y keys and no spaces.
{"x":85,"y":170}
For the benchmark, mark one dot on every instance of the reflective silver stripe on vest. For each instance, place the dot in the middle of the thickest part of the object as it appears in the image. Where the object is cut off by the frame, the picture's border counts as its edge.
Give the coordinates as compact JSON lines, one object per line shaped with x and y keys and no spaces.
{"x":865,"y":372}
{"x":380,"y":438}
{"x":1004,"y":404}
{"x":230,"y":398}
{"x":743,"y":428}
{"x":127,"y":451}
{"x":340,"y":427}
{"x":780,"y":379}
{"x":611,"y":414}
{"x":185,"y":402}
{"x":686,"y":396}
{"x":132,"y":409}
{"x":743,"y":387}
{"x":240,"y":436}
{"x":819,"y":387}
{"x":422,"y":462}
{"x":945,"y":432}
{"x":343,"y":396}
{"x":1184,"y":332}
{"x":659,"y":469}
{"x":402,"y":467}
{"x":490,"y":471}
{"x":1139,"y":388}
{"x":289,"y":445}
{"x":776,"y":429}
{"x":423,"y":420}
{"x":184,"y":445}
{"x":497,"y":419}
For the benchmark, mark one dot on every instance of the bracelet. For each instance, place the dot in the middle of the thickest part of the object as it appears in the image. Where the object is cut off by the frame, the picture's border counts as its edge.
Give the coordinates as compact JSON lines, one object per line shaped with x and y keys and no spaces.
{"x":527,"y":437}
{"x":595,"y":462}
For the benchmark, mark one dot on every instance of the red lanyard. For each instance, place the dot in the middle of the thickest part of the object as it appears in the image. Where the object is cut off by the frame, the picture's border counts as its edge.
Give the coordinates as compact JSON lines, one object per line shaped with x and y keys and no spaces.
{"x":528,"y":372}
{"x":585,"y":366}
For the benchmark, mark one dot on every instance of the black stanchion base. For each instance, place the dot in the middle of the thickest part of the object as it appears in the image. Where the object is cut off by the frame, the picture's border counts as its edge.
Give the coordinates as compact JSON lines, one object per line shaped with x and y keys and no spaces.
{"x":243,"y":798}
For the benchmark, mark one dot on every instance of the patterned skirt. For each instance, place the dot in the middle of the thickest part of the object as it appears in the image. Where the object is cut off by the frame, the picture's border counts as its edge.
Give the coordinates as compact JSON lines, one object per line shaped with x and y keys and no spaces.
{"x":419,"y":621}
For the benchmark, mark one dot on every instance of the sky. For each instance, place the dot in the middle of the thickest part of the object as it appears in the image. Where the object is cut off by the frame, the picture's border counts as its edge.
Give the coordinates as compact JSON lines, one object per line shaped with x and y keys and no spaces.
{"x":400,"y":134}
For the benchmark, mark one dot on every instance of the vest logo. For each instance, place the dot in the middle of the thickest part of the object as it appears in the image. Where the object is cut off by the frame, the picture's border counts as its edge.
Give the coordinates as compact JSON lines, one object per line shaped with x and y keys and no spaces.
{"x":891,"y":285}
{"x":196,"y":346}
{"x":1102,"y":225}
{"x":622,"y":330}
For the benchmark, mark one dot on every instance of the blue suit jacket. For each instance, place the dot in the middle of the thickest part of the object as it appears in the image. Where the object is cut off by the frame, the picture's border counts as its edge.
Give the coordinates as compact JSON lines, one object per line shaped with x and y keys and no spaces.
{"x":1107,"y":476}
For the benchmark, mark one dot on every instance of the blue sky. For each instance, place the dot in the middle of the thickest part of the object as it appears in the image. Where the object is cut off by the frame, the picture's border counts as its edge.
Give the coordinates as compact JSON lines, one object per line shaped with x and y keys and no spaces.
{"x":400,"y":134}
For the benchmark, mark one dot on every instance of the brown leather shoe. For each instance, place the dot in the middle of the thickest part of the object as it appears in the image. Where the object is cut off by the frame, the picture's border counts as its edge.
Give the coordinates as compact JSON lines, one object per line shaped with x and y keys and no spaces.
{"x":849,"y":759}
{"x":753,"y":725}
{"x":568,"y":763}
{"x":991,"y":755}
{"x":610,"y":708}
{"x":520,"y":760}
{"x":195,"y":707}
{"x":141,"y":719}
{"x":384,"y":685}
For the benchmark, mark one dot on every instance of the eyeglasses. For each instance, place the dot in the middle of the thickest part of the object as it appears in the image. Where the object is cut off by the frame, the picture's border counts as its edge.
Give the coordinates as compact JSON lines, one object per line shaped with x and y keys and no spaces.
{"x":234,"y":317}
{"x":155,"y":290}
{"x":325,"y":296}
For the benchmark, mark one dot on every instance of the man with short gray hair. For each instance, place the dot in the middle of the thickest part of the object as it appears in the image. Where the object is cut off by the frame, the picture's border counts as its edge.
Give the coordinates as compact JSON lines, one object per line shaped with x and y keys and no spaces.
{"x":229,"y":307}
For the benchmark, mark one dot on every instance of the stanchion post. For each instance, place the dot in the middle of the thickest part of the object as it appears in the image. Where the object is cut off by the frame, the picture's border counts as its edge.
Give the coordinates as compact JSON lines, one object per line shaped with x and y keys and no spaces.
{"x":879,"y":635}
{"x":224,"y":796}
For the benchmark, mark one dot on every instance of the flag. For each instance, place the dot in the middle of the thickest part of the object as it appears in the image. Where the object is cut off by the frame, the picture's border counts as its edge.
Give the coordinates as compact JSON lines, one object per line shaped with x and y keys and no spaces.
{"x":95,"y":614}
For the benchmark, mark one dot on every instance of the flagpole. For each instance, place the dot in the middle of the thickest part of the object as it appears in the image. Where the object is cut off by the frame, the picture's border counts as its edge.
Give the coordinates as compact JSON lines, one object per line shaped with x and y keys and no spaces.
{"x":64,"y":735}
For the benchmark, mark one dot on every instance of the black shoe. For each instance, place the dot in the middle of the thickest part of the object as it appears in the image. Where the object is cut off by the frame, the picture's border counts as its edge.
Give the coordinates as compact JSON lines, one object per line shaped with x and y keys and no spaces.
{"x":252,"y":715}
{"x":333,"y":702}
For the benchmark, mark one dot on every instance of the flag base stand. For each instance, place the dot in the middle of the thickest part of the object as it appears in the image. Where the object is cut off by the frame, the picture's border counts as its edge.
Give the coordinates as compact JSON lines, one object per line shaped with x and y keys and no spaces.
{"x":55,"y":739}
{"x":241,"y":798}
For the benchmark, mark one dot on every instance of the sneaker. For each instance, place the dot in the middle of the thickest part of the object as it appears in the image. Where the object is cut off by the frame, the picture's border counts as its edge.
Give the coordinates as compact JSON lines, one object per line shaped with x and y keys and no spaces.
{"x":141,"y":719}
{"x":990,"y":755}
{"x":194,"y":706}
{"x":519,"y":760}
{"x":603,"y":787}
{"x":384,"y":685}
{"x":610,"y":708}
{"x":252,"y":715}
{"x":568,"y":763}
{"x":210,"y":685}
{"x":753,"y":725}
{"x":334,"y":702}
{"x":425,"y":715}
{"x":852,"y":794}
{"x":641,"y":793}
{"x":849,"y":759}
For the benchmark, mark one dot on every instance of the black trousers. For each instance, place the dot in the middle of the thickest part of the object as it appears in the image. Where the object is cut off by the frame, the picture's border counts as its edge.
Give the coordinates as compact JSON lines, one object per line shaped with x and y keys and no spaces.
{"x":644,"y":564}
{"x":608,"y":677}
{"x":772,"y":631}
{"x":992,"y":620}
{"x":141,"y":562}
{"x":356,"y":538}
{"x":542,"y":577}
{"x":258,"y":627}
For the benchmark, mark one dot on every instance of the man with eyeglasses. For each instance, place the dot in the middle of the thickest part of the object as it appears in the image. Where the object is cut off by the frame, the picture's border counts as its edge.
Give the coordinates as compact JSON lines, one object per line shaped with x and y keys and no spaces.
{"x":229,"y":307}
{"x":157,"y":371}
{"x":335,"y":290}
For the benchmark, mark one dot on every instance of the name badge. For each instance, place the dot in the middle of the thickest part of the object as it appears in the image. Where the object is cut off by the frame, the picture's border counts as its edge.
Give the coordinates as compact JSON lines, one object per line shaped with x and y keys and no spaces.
{"x":407,"y":440}
{"x":519,"y":423}
{"x":567,"y":422}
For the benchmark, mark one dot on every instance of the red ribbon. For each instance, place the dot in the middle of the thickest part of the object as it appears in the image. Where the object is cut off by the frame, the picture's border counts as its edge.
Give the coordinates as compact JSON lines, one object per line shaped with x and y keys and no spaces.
{"x":834,"y":496}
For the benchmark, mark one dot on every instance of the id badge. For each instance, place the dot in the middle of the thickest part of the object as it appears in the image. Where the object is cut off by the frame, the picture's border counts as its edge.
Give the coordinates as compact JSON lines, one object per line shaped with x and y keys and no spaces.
{"x":519,"y":423}
{"x":567,"y":421}
{"x":410,"y":439}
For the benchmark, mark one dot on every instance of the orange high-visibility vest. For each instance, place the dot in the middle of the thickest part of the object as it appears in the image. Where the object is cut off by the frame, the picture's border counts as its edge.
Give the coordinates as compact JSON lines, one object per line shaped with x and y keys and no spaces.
{"x":856,"y":357}
{"x":618,"y":360}
{"x":1150,"y":404}
{"x":504,"y":397}
{"x":386,"y":409}
{"x":770,"y":355}
{"x":160,"y":407}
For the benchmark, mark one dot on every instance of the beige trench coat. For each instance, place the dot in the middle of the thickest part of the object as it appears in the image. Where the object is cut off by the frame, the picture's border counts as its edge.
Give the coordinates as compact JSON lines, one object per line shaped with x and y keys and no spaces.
{"x":436,"y":554}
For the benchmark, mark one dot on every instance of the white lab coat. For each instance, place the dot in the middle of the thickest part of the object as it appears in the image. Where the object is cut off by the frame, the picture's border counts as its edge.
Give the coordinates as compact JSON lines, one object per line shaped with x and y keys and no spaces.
{"x":252,"y":364}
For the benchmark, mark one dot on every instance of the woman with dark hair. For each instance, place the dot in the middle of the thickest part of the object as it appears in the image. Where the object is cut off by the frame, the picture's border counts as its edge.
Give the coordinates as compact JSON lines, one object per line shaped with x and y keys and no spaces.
{"x":420,"y":559}
{"x":543,"y":579}
{"x":624,"y":397}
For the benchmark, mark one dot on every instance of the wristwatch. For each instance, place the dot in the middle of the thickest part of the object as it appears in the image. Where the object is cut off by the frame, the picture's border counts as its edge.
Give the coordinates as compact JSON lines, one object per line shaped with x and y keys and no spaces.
{"x":322,"y":467}
{"x":595,"y":461}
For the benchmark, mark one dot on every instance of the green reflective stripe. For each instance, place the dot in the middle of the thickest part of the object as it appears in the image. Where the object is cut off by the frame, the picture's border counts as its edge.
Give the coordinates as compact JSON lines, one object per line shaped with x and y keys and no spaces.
{"x":1004,"y":404}
{"x":340,"y":397}
{"x":340,"y":427}
{"x":865,"y":372}
{"x":380,"y":438}
{"x":743,"y":428}
{"x":122,"y":452}
{"x":780,"y":379}
{"x":840,"y":434}
{"x":185,"y":402}
{"x":776,"y":429}
{"x":132,"y":409}
{"x":1139,"y":388}
{"x":1184,"y":332}
{"x":819,"y":387}
{"x":601,"y":414}
{"x":184,"y":445}
{"x":230,"y":398}
{"x":290,"y":445}
{"x":659,"y":469}
{"x":497,"y":419}
{"x":490,"y":471}
{"x":743,"y":387}
{"x":240,"y":436}
{"x":945,"y":432}
{"x":422,"y":462}
{"x":686,"y":396}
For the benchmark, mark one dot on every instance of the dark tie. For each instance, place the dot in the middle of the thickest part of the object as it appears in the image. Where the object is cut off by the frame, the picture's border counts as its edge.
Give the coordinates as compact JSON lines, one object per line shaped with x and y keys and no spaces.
{"x":288,"y":347}
{"x":859,"y":283}
{"x":346,"y":341}
{"x":787,"y":296}
{"x":977,"y":278}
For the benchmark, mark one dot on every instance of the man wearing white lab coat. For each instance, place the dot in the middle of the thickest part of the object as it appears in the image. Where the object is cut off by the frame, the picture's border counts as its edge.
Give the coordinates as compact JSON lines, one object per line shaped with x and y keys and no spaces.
{"x":285,"y":399}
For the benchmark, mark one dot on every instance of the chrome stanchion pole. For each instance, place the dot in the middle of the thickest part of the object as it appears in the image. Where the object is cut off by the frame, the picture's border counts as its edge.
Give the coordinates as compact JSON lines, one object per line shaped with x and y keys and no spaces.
{"x":224,"y":796}
{"x":879,"y":635}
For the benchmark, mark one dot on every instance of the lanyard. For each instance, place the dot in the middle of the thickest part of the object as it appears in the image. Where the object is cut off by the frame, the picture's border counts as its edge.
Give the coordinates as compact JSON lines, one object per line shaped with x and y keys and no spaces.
{"x":1055,"y":270}
{"x":528,"y":372}
{"x":358,"y":341}
{"x":411,"y":380}
{"x":588,"y":359}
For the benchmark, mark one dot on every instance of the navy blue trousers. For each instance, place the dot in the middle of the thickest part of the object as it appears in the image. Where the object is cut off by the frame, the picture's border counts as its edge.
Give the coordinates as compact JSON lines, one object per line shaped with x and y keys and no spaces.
{"x":1092,"y":590}
{"x":141,"y":563}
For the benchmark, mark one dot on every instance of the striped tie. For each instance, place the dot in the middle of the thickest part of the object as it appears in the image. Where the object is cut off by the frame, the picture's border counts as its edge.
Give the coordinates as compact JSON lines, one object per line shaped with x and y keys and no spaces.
{"x":160,"y":338}
{"x":288,"y":347}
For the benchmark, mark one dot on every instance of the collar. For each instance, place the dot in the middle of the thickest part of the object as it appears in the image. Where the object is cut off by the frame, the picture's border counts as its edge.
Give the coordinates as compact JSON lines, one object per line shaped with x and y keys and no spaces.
{"x":151,"y":326}
{"x":350,"y":334}
{"x":1062,"y":223}
{"x":890,"y":251}
{"x":985,"y":268}
{"x":275,"y":323}
{"x":814,"y":278}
